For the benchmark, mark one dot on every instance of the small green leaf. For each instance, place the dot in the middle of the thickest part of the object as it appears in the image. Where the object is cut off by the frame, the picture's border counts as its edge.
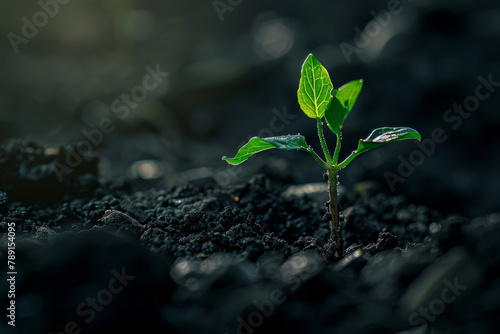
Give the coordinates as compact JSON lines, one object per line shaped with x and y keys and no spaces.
{"x":379,"y":137}
{"x":257,"y":144}
{"x":343,"y":100}
{"x":314,"y":88}
{"x":382,"y":136}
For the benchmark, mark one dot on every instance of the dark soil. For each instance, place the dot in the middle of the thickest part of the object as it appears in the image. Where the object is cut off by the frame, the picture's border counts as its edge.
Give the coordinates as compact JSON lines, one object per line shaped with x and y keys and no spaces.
{"x":253,"y":258}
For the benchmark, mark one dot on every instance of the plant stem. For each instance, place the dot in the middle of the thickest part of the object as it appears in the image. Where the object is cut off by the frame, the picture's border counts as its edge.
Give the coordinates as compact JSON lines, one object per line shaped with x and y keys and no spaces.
{"x":316,"y":157}
{"x":348,"y":160}
{"x":323,"y":144}
{"x":334,"y":209}
{"x":336,"y":153}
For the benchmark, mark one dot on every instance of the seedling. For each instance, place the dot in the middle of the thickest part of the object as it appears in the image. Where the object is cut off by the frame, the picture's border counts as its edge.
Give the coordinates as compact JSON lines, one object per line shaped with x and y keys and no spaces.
{"x":318,"y":99}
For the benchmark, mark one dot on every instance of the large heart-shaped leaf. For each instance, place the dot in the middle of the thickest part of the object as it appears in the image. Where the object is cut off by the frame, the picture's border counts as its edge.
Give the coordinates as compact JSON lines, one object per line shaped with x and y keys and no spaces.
{"x":257,"y":144}
{"x":314,"y":88}
{"x":343,"y":100}
{"x":382,"y":136}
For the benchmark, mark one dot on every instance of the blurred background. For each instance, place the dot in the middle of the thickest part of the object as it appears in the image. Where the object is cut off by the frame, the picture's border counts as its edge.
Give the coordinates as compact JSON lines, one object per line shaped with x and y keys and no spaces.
{"x":181,"y":83}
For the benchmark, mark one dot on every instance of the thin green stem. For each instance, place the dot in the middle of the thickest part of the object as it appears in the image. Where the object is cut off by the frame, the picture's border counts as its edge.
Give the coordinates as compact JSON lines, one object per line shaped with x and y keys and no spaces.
{"x":316,"y":157}
{"x":348,"y":160}
{"x":336,"y":153}
{"x":323,"y":144}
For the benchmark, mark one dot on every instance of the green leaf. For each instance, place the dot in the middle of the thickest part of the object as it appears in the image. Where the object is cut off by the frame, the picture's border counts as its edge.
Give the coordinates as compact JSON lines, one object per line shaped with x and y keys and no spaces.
{"x":314,"y":88}
{"x":257,"y":144}
{"x":382,"y":136}
{"x":343,"y":100}
{"x":379,"y":137}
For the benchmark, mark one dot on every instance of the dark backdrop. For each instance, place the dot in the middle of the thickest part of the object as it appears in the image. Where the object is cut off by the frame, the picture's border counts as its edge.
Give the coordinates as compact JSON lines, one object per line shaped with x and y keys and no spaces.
{"x":231,"y":70}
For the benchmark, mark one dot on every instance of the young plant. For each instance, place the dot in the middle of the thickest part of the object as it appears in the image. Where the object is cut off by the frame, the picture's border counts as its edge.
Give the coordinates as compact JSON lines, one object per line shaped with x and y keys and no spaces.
{"x":318,"y":99}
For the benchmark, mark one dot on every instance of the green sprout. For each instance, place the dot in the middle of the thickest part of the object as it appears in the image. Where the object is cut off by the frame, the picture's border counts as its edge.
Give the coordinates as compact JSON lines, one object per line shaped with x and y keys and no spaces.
{"x":318,"y":99}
